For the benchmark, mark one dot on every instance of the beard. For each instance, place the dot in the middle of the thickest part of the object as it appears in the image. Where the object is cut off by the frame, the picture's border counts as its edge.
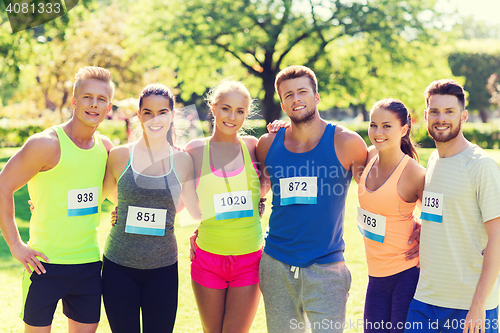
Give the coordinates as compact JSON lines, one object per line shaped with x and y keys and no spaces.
{"x":303,"y":118}
{"x":454,"y":131}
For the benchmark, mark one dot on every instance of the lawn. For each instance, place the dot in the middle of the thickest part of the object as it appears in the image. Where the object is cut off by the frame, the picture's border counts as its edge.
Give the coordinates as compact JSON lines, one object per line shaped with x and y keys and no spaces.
{"x":187,"y":315}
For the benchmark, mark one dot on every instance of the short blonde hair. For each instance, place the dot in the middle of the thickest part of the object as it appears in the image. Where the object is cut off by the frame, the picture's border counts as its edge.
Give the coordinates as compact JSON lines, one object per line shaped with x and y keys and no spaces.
{"x":93,"y":73}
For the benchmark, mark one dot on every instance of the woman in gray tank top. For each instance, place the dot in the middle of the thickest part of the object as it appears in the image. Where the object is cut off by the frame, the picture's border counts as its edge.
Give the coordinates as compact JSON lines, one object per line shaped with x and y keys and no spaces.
{"x":140,"y":256}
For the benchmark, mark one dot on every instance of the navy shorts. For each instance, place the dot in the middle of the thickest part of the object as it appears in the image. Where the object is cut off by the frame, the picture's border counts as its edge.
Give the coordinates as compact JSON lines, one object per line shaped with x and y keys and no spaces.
{"x":79,"y":287}
{"x":426,"y":318}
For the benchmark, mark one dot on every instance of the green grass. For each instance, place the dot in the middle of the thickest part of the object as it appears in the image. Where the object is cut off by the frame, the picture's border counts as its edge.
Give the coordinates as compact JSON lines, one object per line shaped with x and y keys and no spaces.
{"x":187,"y":315}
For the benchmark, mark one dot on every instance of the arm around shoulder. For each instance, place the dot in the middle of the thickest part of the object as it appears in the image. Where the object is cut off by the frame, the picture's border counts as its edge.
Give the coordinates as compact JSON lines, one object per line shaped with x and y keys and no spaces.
{"x":185,"y":171}
{"x":108,"y":144}
{"x":351,"y":151}
{"x":262,"y":148}
{"x":117,"y":162}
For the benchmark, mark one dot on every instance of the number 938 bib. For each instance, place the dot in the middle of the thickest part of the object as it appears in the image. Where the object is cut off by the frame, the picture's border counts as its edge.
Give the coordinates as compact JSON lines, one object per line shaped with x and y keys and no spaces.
{"x":371,"y":225}
{"x":83,"y":201}
{"x":146,"y":221}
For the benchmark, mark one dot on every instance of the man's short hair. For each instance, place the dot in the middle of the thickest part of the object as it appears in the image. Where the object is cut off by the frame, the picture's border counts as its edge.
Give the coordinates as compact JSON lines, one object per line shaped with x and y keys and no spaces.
{"x":294,"y":72}
{"x":445,"y":87}
{"x":93,"y":73}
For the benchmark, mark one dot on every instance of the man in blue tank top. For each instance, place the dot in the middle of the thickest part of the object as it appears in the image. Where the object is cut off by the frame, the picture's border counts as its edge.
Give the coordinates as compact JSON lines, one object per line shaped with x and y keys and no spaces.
{"x":308,"y":167}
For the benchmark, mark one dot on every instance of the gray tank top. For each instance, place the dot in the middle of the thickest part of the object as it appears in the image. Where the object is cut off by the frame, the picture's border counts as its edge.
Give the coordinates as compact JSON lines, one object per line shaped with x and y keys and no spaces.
{"x":160,"y":192}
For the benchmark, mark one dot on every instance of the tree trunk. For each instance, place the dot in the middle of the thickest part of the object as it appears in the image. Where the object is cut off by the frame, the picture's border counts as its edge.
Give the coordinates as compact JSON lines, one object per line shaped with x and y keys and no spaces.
{"x":270,"y":109}
{"x":483,"y":113}
{"x":366,"y":117}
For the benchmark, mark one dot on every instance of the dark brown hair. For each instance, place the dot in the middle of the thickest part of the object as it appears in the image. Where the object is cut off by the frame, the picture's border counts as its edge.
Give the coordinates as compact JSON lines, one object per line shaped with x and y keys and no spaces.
{"x":399,"y":109}
{"x":158,"y":89}
{"x":445,"y":87}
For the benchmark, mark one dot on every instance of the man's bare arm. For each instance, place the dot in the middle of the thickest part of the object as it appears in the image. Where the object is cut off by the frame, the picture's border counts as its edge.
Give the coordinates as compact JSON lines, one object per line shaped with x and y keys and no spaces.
{"x":41,"y":152}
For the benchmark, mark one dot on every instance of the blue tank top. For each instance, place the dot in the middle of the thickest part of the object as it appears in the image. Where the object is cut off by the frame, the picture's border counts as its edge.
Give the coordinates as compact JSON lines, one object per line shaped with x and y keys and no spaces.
{"x":306,"y":227}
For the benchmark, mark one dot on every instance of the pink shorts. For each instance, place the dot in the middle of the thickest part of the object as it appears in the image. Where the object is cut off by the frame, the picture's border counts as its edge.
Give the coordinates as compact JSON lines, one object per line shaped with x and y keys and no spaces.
{"x":219,"y":272}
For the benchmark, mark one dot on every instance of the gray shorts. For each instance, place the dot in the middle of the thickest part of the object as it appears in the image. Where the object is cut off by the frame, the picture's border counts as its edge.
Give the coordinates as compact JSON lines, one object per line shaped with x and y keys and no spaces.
{"x":306,"y":299}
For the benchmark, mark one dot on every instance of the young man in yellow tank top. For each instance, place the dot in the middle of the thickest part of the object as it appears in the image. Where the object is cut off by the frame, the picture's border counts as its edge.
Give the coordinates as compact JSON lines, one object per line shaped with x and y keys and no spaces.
{"x":65,"y":168}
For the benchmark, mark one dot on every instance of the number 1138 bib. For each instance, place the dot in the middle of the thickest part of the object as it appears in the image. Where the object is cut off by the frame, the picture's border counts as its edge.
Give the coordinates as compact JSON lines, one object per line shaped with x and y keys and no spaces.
{"x":432,"y":207}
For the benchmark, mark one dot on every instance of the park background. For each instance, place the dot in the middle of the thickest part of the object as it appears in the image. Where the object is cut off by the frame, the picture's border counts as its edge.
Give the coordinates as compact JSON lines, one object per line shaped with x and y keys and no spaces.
{"x":362,"y":51}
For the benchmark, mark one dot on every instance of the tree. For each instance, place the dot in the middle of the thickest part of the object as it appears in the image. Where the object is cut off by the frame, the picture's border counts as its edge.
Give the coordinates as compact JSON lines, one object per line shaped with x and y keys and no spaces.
{"x":477,"y":68}
{"x":493,"y":88}
{"x":89,"y":37}
{"x":15,"y":52}
{"x":361,"y":72}
{"x":261,"y":35}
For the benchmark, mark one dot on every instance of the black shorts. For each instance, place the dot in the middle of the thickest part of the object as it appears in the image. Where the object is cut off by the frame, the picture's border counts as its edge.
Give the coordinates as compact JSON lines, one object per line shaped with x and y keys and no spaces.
{"x":79,"y":287}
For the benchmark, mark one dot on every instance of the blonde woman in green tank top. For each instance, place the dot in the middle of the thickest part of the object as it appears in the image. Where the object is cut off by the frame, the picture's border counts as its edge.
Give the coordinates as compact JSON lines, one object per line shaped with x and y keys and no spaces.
{"x":140,"y":258}
{"x":232,"y":238}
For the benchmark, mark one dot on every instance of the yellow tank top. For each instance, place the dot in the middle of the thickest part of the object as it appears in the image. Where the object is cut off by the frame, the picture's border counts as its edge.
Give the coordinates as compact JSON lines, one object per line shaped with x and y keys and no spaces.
{"x":67,"y":201}
{"x":230,"y":223}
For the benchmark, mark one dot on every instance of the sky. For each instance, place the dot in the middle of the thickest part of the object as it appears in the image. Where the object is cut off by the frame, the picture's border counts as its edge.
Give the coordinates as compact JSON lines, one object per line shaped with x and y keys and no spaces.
{"x":485,"y":10}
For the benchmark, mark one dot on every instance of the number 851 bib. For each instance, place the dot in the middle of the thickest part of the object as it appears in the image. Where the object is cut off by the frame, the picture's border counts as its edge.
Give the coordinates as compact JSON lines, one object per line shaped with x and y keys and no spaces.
{"x":146,"y":221}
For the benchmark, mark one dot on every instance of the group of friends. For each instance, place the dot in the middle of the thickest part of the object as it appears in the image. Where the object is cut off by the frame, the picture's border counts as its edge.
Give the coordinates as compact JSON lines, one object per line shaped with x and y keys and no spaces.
{"x":438,"y":273}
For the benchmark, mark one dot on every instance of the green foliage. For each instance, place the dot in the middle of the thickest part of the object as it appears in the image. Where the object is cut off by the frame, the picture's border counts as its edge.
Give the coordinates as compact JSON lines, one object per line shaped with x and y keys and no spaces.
{"x":477,"y":67}
{"x":264,"y":36}
{"x":15,"y":53}
{"x":16,"y":136}
{"x":114,"y":130}
{"x":363,"y":71}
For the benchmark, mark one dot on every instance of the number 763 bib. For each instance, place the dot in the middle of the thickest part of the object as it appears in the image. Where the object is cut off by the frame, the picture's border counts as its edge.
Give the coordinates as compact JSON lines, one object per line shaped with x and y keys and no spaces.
{"x":371,"y":225}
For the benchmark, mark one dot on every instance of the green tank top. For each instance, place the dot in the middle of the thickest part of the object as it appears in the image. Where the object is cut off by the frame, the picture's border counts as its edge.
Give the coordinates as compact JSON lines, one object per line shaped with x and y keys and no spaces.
{"x":230,"y":223}
{"x":67,"y":200}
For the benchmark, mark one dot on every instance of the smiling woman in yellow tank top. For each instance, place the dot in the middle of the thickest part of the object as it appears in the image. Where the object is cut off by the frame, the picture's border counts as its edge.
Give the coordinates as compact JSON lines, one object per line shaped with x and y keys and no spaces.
{"x":225,"y":264}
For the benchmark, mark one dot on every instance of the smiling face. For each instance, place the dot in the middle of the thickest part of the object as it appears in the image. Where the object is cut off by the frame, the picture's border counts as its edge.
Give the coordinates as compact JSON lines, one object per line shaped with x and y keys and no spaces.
{"x":444,"y":116}
{"x":230,"y":112}
{"x":298,"y":99}
{"x":385,"y":130}
{"x":156,"y":116}
{"x":92,"y":102}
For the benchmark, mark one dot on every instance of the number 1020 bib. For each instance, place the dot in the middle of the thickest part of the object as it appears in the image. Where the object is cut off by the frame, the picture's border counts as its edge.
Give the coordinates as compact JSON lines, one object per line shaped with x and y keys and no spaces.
{"x":231,"y":205}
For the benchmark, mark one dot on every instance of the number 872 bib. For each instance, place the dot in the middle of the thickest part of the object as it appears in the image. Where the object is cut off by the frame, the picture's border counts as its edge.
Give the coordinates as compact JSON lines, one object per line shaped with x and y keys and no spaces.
{"x":371,"y":225}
